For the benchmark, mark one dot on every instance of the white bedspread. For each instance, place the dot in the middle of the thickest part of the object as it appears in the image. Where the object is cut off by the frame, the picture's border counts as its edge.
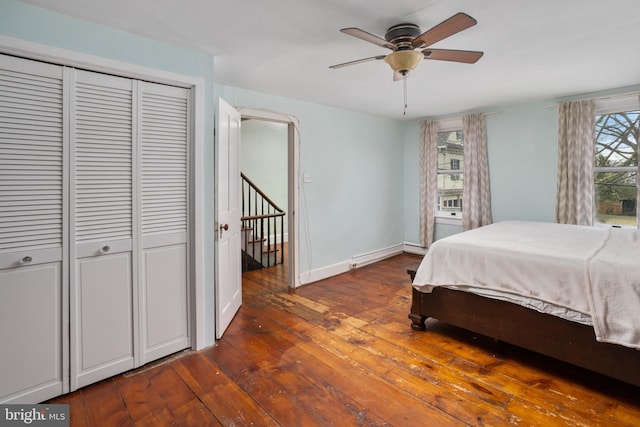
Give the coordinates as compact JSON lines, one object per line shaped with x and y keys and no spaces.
{"x":613,"y":289}
{"x":593,"y":272}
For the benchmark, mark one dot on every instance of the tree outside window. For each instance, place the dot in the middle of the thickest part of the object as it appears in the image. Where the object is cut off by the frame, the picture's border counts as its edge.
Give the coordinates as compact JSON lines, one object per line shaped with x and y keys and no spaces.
{"x":616,"y":168}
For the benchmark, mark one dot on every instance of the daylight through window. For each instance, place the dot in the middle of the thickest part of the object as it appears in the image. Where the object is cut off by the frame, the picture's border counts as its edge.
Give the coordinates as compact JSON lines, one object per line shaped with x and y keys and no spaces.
{"x":450,"y":172}
{"x":616,"y":168}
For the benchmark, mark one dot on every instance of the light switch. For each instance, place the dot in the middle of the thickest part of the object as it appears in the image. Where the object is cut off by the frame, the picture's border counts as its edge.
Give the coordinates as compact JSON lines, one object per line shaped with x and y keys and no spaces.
{"x":306,"y":177}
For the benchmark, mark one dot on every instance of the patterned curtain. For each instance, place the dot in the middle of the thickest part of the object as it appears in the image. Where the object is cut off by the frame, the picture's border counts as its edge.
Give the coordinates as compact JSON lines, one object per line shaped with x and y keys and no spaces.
{"x":476,"y":197}
{"x":428,"y":180}
{"x":576,"y":145}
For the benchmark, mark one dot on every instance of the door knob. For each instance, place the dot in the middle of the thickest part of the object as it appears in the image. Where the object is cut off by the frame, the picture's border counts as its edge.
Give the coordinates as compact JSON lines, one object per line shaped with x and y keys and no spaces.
{"x":27,"y":260}
{"x":105,"y":249}
{"x":224,"y":227}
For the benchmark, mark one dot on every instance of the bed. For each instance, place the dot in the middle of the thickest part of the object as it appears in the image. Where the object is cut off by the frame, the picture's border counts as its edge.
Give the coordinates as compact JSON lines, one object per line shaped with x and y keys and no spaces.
{"x":565,"y":291}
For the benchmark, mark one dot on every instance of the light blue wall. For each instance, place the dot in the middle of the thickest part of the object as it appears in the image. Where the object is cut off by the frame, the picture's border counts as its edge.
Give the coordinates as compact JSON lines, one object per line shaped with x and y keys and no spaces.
{"x":22,"y":21}
{"x":522,"y":144}
{"x":411,"y":183}
{"x":354,"y":203}
{"x":39,"y":25}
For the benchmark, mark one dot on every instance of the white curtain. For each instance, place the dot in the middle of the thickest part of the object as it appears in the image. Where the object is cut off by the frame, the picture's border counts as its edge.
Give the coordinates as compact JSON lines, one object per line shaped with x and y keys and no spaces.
{"x":576,"y":145}
{"x":428,"y":180}
{"x":476,"y":196}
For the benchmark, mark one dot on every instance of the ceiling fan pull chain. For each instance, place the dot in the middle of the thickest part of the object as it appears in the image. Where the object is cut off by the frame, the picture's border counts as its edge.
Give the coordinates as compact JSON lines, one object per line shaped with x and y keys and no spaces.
{"x":405,"y":95}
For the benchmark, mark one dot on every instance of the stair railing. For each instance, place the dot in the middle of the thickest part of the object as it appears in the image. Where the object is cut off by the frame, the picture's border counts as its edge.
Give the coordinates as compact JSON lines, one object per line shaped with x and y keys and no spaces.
{"x":263,"y":228}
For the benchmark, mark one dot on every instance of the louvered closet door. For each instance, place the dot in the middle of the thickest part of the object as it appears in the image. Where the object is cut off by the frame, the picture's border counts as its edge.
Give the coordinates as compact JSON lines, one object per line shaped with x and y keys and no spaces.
{"x":102,"y":227}
{"x":32,"y":295}
{"x":163,"y":138}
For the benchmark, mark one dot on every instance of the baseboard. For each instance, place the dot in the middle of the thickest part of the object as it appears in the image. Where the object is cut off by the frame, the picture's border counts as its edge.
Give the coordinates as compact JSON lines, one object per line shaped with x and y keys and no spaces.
{"x":346,"y":266}
{"x":414,"y":248}
{"x":323,"y":273}
{"x":375,"y":256}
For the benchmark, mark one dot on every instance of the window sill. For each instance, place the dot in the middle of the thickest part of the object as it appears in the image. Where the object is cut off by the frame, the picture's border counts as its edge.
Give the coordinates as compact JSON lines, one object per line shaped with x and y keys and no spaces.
{"x":449,"y":220}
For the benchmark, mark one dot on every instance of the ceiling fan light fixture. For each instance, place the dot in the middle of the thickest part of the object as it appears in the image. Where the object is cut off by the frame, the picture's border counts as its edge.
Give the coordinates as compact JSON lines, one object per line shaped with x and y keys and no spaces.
{"x":402,"y":61}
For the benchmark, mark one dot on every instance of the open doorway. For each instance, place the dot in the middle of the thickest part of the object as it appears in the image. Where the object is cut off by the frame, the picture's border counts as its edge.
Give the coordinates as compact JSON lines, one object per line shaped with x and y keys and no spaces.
{"x":268,"y":147}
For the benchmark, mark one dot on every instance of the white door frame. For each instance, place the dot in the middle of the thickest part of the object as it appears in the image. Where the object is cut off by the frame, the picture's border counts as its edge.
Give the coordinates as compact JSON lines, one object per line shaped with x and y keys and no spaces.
{"x":293,"y":186}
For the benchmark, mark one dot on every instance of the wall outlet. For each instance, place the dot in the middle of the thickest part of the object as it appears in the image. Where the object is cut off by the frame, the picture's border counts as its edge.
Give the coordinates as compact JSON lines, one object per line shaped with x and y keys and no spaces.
{"x":352,"y":265}
{"x":306,"y":177}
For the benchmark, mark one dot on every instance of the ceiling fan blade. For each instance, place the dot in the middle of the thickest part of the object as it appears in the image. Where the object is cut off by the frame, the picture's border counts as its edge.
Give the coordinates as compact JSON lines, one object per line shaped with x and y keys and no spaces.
{"x":466,"y":56}
{"x":368,"y":37}
{"x":458,"y":22}
{"x":357,"y":61}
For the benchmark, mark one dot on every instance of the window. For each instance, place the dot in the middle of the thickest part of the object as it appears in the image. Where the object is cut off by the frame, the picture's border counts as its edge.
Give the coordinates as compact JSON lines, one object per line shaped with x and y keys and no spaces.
{"x":450,"y":169}
{"x":616,"y":161}
{"x":455,"y":165}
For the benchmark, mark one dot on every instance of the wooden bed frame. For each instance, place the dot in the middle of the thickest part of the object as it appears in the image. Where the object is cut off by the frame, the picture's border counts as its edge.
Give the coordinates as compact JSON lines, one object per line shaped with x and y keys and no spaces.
{"x":552,"y":336}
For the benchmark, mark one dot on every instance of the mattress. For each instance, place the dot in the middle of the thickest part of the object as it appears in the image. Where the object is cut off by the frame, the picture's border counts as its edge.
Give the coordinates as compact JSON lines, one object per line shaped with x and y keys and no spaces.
{"x":584,"y":274}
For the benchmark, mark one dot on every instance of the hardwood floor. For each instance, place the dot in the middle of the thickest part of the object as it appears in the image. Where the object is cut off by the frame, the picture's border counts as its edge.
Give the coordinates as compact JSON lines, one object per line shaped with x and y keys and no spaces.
{"x":341,"y":352}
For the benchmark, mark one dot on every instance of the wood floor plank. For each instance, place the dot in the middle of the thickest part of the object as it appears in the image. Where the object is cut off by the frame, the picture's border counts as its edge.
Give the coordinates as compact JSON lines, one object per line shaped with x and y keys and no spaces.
{"x":104,"y":406}
{"x":261,"y":386}
{"x":272,"y":358}
{"x":76,"y":407}
{"x":327,"y":398}
{"x":221,"y":395}
{"x":139,"y":396}
{"x":395,"y":406}
{"x":434,"y":385}
{"x":390,"y":404}
{"x":341,"y":352}
{"x":160,"y":395}
{"x":519,"y":379}
{"x":522,"y":377}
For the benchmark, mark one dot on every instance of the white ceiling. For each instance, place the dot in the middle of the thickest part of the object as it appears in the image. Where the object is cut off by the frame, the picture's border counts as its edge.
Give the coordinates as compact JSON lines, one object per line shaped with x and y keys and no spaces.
{"x":534,"y":49}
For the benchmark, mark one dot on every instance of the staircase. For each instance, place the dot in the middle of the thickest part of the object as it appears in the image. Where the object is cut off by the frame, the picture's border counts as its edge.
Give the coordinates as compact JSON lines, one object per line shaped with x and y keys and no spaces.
{"x":262,"y":228}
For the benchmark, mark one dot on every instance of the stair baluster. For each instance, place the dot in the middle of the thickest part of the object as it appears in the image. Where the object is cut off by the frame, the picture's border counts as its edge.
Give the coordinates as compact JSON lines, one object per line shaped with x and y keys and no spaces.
{"x":261,"y":228}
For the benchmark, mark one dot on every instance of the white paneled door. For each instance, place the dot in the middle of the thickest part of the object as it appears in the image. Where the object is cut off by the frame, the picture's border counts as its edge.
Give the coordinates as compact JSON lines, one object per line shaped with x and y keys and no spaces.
{"x":164,"y":177}
{"x":229,"y":286}
{"x":94,"y":226}
{"x":102,"y":225}
{"x":130,"y":289}
{"x":33,"y":297}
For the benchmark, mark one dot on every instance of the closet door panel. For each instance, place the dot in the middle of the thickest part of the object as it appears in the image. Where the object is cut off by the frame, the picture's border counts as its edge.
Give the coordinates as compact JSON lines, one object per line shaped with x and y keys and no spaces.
{"x":102,"y":224}
{"x":163,"y":138}
{"x":166,"y":315}
{"x":105,"y":317}
{"x":30,"y":327}
{"x":33,"y":290}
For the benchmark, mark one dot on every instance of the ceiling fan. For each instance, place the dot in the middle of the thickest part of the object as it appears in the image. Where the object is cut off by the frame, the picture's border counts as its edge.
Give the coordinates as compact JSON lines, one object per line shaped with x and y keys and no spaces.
{"x":410,"y":46}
